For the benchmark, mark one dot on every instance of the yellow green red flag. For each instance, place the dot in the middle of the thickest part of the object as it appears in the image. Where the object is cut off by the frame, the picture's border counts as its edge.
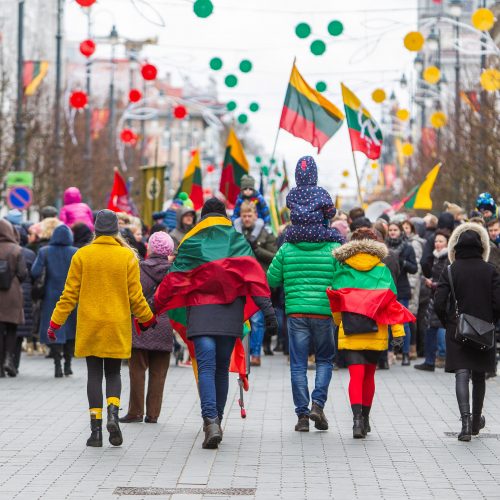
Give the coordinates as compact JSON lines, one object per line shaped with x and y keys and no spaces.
{"x":420,"y":196}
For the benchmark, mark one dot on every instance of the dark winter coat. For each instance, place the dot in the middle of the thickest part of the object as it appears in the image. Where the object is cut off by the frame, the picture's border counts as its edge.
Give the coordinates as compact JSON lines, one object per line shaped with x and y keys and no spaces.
{"x":494,"y":258}
{"x":11,"y":300}
{"x":26,"y":329}
{"x":263,"y":242}
{"x":445,"y":221}
{"x":477,"y":289}
{"x":56,"y":257}
{"x":311,"y":207}
{"x":407,"y":265}
{"x":180,"y":229}
{"x":441,"y":262}
{"x":160,"y":338}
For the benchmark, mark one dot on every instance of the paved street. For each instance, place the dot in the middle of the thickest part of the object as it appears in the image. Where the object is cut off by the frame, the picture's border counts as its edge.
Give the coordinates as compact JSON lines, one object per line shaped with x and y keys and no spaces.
{"x":409,"y":454}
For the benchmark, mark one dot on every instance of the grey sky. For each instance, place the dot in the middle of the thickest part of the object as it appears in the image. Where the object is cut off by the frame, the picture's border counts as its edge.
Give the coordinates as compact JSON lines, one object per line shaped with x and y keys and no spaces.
{"x":367,"y":55}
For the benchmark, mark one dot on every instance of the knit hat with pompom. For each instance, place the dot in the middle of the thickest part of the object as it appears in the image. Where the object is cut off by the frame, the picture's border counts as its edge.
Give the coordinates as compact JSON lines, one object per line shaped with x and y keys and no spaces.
{"x":160,"y":243}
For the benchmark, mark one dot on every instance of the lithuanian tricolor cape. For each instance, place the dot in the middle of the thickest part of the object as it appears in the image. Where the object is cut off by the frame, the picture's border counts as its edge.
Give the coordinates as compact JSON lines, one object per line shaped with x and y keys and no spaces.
{"x":214,"y":265}
{"x":364,"y":285}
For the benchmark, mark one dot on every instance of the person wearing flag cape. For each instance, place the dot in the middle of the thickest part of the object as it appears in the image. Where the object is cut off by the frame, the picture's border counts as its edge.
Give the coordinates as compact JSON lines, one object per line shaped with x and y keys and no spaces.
{"x":214,"y":285}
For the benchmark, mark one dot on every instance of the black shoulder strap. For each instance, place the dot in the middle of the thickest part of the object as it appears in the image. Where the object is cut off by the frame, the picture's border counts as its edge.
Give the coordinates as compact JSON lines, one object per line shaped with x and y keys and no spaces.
{"x":450,"y":278}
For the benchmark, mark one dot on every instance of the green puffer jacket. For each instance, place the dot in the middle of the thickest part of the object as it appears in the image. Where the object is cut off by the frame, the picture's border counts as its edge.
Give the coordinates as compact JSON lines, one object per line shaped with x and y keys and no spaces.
{"x":305,"y":270}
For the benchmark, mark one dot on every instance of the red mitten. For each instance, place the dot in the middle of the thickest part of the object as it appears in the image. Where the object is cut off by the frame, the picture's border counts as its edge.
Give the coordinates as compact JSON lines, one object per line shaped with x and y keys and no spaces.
{"x":149,"y":324}
{"x":51,"y":332}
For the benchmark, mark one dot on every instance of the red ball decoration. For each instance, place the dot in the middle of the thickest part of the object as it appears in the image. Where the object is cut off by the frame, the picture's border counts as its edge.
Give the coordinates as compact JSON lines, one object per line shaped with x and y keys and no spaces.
{"x":210,"y":169}
{"x":128,"y":136}
{"x":78,"y":99}
{"x":134,"y":95}
{"x":180,"y":112}
{"x":85,"y":3}
{"x":149,"y":72}
{"x":207,"y":191}
{"x":87,"y":47}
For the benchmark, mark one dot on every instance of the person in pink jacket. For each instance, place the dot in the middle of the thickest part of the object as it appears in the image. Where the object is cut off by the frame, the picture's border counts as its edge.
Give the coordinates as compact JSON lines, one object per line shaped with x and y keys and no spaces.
{"x":74,"y":210}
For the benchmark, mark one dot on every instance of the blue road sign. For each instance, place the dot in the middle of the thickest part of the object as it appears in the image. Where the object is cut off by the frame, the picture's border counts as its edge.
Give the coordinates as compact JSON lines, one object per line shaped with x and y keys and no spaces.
{"x":19,"y":197}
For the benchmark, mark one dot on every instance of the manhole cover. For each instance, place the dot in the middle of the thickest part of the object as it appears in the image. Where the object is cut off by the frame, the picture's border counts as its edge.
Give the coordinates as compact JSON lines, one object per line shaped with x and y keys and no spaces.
{"x":482,"y":434}
{"x":126,"y":490}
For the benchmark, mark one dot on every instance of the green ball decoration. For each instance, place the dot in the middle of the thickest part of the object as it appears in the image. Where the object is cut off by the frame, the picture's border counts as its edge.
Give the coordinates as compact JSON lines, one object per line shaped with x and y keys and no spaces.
{"x":243,"y":118}
{"x":246,"y":66}
{"x":203,"y":8}
{"x":231,"y":81}
{"x":335,"y":28}
{"x":318,"y":47}
{"x":254,"y":107}
{"x":265,"y":171}
{"x":231,"y":105}
{"x":272,"y":161}
{"x":320,"y":86}
{"x":279,"y":174}
{"x":216,"y":63}
{"x":302,"y":30}
{"x":258,"y":159}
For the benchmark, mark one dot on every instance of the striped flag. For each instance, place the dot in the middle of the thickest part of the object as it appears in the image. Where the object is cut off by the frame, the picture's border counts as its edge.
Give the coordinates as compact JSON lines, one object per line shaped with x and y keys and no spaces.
{"x":307,"y":114}
{"x":420,"y":196}
{"x":33,"y":74}
{"x":191,"y":182}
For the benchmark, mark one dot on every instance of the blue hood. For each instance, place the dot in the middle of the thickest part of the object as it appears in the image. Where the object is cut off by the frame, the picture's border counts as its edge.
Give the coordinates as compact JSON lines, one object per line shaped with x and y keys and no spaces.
{"x":306,"y":172}
{"x":62,"y":236}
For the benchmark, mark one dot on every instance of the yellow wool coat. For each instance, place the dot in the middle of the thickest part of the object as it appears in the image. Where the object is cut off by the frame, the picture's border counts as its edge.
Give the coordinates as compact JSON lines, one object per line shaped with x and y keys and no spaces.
{"x":364,"y":261}
{"x":104,"y":281}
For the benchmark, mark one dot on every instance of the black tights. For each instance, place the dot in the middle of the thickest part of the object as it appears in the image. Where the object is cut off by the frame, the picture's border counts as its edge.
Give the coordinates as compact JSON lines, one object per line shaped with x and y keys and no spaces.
{"x":95,"y":367}
{"x":7,"y":340}
{"x":462,"y":378}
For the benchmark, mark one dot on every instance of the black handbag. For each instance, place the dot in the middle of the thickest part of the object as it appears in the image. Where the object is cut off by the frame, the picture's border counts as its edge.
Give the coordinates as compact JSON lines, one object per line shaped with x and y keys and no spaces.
{"x":354,"y":323}
{"x":472,"y":331}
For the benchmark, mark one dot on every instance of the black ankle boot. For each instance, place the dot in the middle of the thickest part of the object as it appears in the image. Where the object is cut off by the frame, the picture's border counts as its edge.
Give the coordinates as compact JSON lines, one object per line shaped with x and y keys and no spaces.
{"x":358,"y":430}
{"x":266,"y":345}
{"x":279,"y":346}
{"x":478,"y":423}
{"x":406,"y":360}
{"x":115,"y":434}
{"x":465,"y":433}
{"x":58,"y":372}
{"x":365,"y":411}
{"x":9,"y":366}
{"x":67,"y":368}
{"x":95,"y":438}
{"x":213,"y":434}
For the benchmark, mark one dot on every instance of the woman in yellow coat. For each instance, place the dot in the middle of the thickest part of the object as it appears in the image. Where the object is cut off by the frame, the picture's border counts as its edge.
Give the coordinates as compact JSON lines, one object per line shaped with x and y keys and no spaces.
{"x":103,"y":280}
{"x":364,"y":303}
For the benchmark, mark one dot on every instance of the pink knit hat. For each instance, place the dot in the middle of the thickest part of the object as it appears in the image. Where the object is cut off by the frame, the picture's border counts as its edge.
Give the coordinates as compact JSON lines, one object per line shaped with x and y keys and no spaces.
{"x":160,"y":243}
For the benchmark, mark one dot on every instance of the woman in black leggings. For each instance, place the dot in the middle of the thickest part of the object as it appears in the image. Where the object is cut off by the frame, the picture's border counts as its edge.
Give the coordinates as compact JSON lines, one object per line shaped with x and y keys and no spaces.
{"x":103,"y":280}
{"x":477,"y":289}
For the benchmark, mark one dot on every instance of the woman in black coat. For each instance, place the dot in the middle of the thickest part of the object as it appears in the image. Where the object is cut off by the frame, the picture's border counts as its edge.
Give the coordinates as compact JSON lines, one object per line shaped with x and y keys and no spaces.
{"x":477,"y":289}
{"x":398,"y":243}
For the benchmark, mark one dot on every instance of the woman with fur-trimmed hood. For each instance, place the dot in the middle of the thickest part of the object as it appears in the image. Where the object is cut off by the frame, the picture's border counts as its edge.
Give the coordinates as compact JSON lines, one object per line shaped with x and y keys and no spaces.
{"x":477,"y":290}
{"x":364,"y":303}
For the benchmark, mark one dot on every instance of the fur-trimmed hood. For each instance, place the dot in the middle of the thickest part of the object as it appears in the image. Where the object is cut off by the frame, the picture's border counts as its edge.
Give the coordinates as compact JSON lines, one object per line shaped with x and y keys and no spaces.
{"x":370,"y":247}
{"x":469,"y":226}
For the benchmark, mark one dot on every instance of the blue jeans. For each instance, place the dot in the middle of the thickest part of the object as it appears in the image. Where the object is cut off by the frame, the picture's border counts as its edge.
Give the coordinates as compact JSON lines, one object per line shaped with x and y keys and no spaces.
{"x":407,"y":340}
{"x":257,"y":334}
{"x":434,"y":341}
{"x":300,"y":331}
{"x":213,"y":354}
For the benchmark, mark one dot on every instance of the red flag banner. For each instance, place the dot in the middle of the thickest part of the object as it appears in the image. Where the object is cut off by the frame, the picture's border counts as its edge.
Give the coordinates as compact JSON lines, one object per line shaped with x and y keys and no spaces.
{"x":119,"y":199}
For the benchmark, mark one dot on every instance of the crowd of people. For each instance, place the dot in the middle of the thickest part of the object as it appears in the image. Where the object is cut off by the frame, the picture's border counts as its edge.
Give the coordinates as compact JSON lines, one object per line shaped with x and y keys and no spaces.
{"x":336,"y":290}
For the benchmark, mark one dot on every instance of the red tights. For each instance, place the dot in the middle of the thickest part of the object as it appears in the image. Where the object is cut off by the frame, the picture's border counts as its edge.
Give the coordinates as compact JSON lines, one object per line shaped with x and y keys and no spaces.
{"x":362,"y":384}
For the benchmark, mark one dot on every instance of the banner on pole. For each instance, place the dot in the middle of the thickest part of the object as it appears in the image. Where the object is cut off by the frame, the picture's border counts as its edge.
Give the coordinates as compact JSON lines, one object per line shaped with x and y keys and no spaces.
{"x":152,"y":191}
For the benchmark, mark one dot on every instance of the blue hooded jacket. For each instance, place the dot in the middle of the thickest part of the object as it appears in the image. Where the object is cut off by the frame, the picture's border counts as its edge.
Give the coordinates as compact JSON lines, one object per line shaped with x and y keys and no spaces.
{"x":311,"y":207}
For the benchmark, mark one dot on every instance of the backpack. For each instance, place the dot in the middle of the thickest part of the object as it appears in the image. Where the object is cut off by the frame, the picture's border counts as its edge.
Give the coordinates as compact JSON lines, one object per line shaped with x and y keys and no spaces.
{"x":6,"y":274}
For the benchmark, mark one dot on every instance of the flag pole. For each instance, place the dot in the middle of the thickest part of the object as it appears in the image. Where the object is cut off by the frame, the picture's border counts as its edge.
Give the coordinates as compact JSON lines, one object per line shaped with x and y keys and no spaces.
{"x":357,"y":177}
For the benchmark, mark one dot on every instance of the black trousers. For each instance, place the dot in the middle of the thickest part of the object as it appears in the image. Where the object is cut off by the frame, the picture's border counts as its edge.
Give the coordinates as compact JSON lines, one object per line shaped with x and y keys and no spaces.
{"x":96,"y":368}
{"x":66,"y":351}
{"x":7,"y":340}
{"x":462,"y":378}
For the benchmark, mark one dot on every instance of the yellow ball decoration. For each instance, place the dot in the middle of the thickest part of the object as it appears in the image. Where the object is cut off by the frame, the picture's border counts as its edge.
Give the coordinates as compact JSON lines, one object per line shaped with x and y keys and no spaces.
{"x":432,"y":74}
{"x":345,"y":173}
{"x":378,"y":95}
{"x":438,"y":119}
{"x":490,"y":79}
{"x":343,"y":186}
{"x":403,"y":114}
{"x":414,"y":41}
{"x":374,"y":165}
{"x":483,"y":19}
{"x":407,"y":149}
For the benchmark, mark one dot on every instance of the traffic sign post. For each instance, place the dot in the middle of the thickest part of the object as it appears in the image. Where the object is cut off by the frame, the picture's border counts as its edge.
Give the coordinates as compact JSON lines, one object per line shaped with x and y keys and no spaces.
{"x":19,"y":197}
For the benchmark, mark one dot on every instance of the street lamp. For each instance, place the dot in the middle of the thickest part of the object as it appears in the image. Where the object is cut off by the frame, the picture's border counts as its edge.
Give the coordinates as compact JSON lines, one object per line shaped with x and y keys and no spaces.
{"x":433,"y":40}
{"x":113,"y":40}
{"x":456,"y":8}
{"x":419,"y":63}
{"x":19,"y":128}
{"x":403,"y":82}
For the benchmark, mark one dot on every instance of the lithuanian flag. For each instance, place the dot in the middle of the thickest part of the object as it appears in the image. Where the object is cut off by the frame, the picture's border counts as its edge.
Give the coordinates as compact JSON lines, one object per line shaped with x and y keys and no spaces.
{"x":375,"y":295}
{"x":364,"y":131}
{"x":235,"y":166}
{"x":214,"y":265}
{"x":33,"y":74}
{"x":191,"y":182}
{"x":419,"y":197}
{"x":307,"y":114}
